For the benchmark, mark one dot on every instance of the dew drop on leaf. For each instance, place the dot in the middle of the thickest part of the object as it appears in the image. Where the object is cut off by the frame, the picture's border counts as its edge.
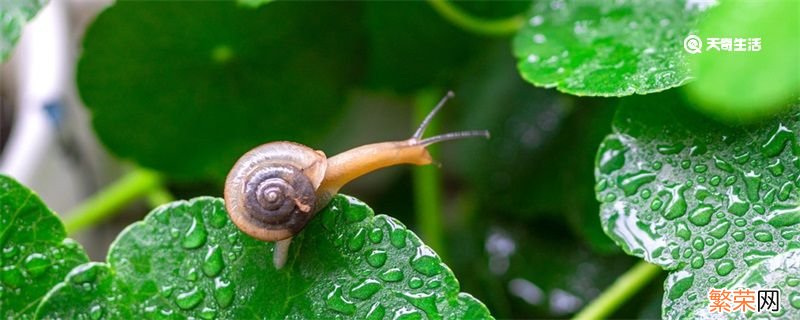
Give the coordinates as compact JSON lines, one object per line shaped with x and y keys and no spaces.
{"x":195,"y":236}
{"x":189,"y":299}
{"x":366,"y":289}
{"x":213,"y":263}
{"x":376,"y":258}
{"x":336,"y":302}
{"x":426,"y":262}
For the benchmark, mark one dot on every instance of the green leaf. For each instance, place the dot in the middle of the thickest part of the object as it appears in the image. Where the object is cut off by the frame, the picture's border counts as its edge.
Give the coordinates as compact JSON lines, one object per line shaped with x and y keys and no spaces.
{"x":606,"y":48}
{"x":539,"y":160}
{"x":36,"y":254}
{"x":749,"y":85}
{"x":188,"y":260}
{"x":701,"y":199}
{"x":411,"y":47}
{"x":13,"y":16}
{"x":780,"y":272}
{"x":187,"y":89}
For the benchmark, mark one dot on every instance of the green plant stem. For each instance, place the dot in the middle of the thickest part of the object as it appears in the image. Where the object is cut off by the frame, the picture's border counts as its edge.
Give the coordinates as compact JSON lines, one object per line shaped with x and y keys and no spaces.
{"x":619,"y":292}
{"x":464,"y":20}
{"x":108,"y":201}
{"x":426,"y":180}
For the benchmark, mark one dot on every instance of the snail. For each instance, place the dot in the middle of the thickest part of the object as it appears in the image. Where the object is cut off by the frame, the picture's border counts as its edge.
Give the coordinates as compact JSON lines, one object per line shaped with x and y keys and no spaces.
{"x":275,"y":189}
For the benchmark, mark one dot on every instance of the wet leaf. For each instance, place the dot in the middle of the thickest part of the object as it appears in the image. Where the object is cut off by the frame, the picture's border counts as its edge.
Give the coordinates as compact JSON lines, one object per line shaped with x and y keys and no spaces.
{"x":13,"y":16}
{"x":36,"y":253}
{"x":740,"y":85}
{"x":606,"y":48}
{"x":781,"y":272}
{"x":187,"y":259}
{"x":215,"y":79}
{"x":703,"y":200}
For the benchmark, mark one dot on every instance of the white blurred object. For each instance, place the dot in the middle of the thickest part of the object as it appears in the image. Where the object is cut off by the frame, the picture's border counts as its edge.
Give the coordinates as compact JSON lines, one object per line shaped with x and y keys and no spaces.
{"x":41,"y":68}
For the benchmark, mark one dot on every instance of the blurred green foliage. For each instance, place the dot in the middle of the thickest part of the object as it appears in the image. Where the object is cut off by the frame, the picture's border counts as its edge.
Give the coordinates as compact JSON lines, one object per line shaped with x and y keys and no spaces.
{"x":186,"y":88}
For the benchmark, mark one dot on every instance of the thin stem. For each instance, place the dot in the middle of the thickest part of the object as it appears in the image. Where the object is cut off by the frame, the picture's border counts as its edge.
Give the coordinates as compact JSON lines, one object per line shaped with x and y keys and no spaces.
{"x":427,"y":185}
{"x":108,"y":201}
{"x":458,"y":17}
{"x":619,"y":292}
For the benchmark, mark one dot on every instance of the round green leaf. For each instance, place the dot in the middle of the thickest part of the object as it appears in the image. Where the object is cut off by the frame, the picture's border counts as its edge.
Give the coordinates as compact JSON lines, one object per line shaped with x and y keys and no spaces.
{"x":746,"y":85}
{"x":36,"y":255}
{"x":187,"y":259}
{"x":186,"y":88}
{"x":13,"y":16}
{"x":606,"y":48}
{"x":702,"y":199}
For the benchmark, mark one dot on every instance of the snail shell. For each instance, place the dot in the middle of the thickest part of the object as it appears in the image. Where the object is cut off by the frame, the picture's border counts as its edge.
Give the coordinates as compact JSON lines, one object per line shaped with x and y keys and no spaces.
{"x":271,"y":191}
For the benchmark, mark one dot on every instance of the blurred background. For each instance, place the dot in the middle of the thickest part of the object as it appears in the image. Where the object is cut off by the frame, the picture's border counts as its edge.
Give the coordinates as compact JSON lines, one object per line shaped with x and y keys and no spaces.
{"x":169,"y":95}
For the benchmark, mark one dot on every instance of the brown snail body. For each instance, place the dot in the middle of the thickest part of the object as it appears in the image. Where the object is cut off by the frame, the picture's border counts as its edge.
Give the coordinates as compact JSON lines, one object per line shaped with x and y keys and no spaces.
{"x":274,"y":189}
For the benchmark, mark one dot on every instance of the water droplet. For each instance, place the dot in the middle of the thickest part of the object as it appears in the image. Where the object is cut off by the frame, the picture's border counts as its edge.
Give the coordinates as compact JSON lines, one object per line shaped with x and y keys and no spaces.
{"x":434,"y":283}
{"x":685,"y":164}
{"x":785,"y":217}
{"x":191,"y":275}
{"x":213,"y":263}
{"x":698,"y":244}
{"x":776,"y":168}
{"x":366,"y":289}
{"x":738,"y":235}
{"x":736,"y":205}
{"x":786,"y":191}
{"x":392,"y":275}
{"x":723,"y":165}
{"x":356,"y":242}
{"x":719,"y":251}
{"x":682,"y":231}
{"x":631,"y":182}
{"x":10,"y":252}
{"x":667,"y":149}
{"x":741,"y":158}
{"x":218,"y":217}
{"x":415,"y":283}
{"x":777,"y":141}
{"x":676,"y":206}
{"x":426,"y":262}
{"x":678,"y":283}
{"x":698,"y":261}
{"x":539,"y":38}
{"x":36,"y":264}
{"x":208,"y":313}
{"x":721,"y":229}
{"x":752,"y":257}
{"x":189,"y":299}
{"x":95,"y":312}
{"x":336,"y":302}
{"x":611,"y":156}
{"x":425,"y":302}
{"x":701,"y":215}
{"x":724,"y":267}
{"x":376,"y":258}
{"x":376,"y":312}
{"x":12,"y":276}
{"x":223,"y":292}
{"x":792,"y":281}
{"x":397,"y":235}
{"x":752,"y":182}
{"x":376,"y":235}
{"x":196,"y":236}
{"x":794,"y":299}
